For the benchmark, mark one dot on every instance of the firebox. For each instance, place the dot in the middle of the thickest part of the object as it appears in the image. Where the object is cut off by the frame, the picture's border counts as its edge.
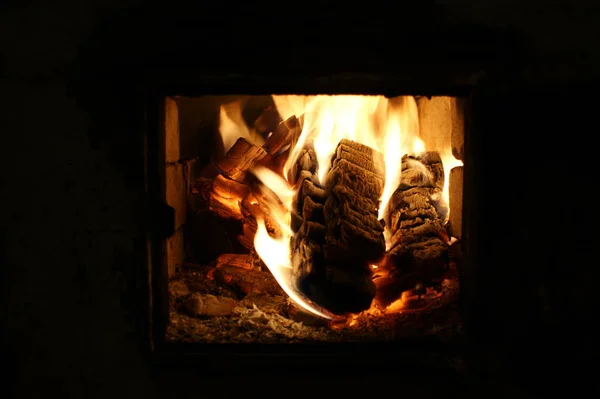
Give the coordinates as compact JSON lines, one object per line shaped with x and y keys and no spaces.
{"x":326,"y":209}
{"x":305,"y":219}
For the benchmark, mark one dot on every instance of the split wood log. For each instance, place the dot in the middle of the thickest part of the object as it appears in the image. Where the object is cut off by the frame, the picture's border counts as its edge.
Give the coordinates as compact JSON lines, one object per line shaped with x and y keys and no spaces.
{"x":419,"y":250}
{"x":338,"y":234}
{"x":209,"y":305}
{"x":282,"y":136}
{"x":226,"y":197}
{"x":236,"y":260}
{"x":240,"y":158}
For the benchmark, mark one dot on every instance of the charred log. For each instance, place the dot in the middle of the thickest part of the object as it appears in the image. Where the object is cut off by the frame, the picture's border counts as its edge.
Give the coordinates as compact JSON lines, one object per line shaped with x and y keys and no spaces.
{"x":338,"y":234}
{"x":226,"y":197}
{"x":419,"y":249}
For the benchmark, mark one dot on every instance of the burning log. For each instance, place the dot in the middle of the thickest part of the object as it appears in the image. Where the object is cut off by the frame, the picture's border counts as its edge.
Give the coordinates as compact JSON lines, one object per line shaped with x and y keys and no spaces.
{"x":245,"y":281}
{"x":240,"y":158}
{"x":419,"y":249}
{"x":339,"y":234}
{"x":282,"y":136}
{"x":237,"y":260}
{"x":226,"y":197}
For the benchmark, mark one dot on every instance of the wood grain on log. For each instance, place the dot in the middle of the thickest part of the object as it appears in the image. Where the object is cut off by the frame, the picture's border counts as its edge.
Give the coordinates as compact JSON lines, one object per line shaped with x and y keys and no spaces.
{"x":282,"y":136}
{"x":236,"y":260}
{"x":226,"y":197}
{"x":339,"y":234}
{"x":246,"y":281}
{"x":230,"y":189}
{"x":419,"y":242}
{"x":240,"y":158}
{"x":228,"y":208}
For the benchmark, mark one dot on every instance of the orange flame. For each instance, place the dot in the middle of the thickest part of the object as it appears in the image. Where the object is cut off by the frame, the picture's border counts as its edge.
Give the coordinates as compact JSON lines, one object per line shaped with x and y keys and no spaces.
{"x":276,"y":252}
{"x":389,"y":126}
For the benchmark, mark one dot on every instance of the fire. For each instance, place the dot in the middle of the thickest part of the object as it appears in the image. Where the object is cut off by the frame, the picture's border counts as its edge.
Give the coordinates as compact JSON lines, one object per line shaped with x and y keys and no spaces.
{"x":232,"y":126}
{"x":276,"y":252}
{"x":399,"y":304}
{"x":449,"y":162}
{"x":389,"y":126}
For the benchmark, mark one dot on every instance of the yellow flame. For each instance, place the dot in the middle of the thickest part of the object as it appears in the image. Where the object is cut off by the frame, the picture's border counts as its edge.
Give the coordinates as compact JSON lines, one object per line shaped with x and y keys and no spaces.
{"x":276,"y":252}
{"x":388,"y":126}
{"x":449,"y":162}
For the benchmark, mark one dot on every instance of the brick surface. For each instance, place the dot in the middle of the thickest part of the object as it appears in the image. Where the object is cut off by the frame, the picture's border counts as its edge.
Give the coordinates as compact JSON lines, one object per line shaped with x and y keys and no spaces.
{"x":456,"y":201}
{"x":171,"y":130}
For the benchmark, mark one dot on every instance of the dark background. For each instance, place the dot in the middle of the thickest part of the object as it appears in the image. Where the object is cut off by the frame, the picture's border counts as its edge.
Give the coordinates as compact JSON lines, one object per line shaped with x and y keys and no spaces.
{"x":71,"y":189}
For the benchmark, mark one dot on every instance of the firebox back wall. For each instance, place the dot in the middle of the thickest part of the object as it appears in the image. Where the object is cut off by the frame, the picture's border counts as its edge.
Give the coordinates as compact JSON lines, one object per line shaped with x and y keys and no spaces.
{"x":192,"y":141}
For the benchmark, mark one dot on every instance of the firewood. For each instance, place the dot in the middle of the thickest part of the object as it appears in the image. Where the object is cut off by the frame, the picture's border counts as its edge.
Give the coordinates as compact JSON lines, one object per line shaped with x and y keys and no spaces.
{"x":419,"y":249}
{"x":247,"y":239}
{"x":282,"y":135}
{"x":312,"y":211}
{"x":228,"y":208}
{"x":391,"y":281}
{"x":240,"y":158}
{"x":240,"y":286}
{"x":209,"y":305}
{"x":236,"y":260}
{"x":339,"y":235}
{"x":246,"y":281}
{"x":230,"y":189}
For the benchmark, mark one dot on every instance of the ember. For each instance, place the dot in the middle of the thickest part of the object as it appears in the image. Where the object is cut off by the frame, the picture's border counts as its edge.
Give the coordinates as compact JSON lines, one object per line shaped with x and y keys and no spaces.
{"x":343,"y":204}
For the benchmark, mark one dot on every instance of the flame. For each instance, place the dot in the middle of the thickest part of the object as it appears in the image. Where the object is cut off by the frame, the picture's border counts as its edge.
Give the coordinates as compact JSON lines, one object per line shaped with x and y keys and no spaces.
{"x":388,"y":126}
{"x":449,"y":162}
{"x":398,"y":305}
{"x":276,"y":252}
{"x":232,"y":126}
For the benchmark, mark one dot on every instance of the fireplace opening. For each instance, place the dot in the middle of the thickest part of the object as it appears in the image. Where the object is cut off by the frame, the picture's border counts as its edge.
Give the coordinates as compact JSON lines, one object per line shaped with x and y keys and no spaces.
{"x":322,"y":218}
